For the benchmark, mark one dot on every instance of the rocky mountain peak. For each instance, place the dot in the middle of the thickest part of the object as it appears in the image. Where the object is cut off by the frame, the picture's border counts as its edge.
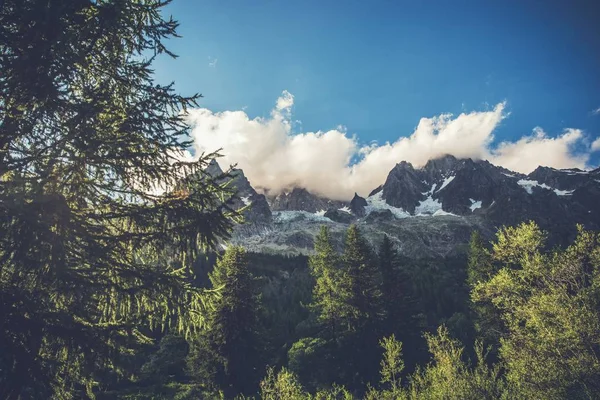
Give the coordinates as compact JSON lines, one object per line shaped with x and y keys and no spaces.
{"x":257,"y":208}
{"x":563,"y":179}
{"x":300,"y":199}
{"x":403,"y":187}
{"x":427,"y":207}
{"x":442,"y":164}
{"x":213,"y":168}
{"x":357,"y":205}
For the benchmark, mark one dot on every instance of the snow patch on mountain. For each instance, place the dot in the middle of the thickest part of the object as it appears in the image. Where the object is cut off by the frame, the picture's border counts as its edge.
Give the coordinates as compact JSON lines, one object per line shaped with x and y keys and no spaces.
{"x":475,"y":204}
{"x":429,"y":206}
{"x":291,"y":216}
{"x":446,"y":182}
{"x":246,"y":200}
{"x":572,"y":171}
{"x":376,"y":202}
{"x":440,"y":213}
{"x":529,"y":184}
{"x":345,"y":209}
{"x":563,"y":192}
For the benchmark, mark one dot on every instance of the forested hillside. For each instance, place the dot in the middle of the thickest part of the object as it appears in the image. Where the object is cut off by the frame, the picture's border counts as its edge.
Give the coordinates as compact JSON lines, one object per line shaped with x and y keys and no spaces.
{"x":516,"y":320}
{"x":118,"y":279}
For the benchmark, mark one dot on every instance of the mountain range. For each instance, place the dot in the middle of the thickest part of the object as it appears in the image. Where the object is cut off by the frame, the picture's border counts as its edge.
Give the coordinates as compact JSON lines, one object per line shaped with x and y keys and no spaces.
{"x":429,"y":212}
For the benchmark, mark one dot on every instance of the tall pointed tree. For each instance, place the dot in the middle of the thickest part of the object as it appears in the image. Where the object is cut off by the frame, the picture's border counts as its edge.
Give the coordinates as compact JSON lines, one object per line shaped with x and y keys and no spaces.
{"x":360,"y":265}
{"x":91,"y":154}
{"x":398,"y":303}
{"x":226,"y":356}
{"x":363,"y":276}
{"x":331,"y":290}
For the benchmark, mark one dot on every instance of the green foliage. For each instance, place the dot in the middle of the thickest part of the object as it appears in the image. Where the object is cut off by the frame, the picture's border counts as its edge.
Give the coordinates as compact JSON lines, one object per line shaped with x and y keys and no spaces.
{"x":312,"y":360}
{"x":283,"y":386}
{"x":168,"y":362}
{"x":363,"y":278}
{"x":392,"y":364}
{"x":479,"y":267}
{"x":549,"y":302}
{"x":332,"y":287}
{"x":398,"y":304}
{"x":226,"y":355}
{"x":449,"y":377}
{"x":336,"y":392}
{"x":96,"y":201}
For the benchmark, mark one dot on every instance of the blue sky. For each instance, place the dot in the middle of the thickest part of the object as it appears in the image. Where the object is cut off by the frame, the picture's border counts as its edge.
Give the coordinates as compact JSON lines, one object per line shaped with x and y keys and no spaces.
{"x":378,"y":67}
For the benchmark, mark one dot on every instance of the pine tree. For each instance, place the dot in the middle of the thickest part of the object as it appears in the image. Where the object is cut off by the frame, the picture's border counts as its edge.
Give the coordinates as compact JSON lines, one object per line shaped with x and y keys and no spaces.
{"x":94,"y":199}
{"x":360,"y":265}
{"x":331,"y":290}
{"x":363,"y":277}
{"x":394,"y":289}
{"x":226,"y":356}
{"x":387,"y":264}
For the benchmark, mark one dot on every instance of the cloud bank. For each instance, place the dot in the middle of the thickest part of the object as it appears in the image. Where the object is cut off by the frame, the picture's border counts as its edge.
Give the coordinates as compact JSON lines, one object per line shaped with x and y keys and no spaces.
{"x":276,"y":159}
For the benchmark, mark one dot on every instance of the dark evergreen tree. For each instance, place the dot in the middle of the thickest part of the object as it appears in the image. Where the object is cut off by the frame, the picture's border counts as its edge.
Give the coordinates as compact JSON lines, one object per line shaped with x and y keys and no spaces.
{"x":360,"y":265}
{"x":399,"y":305}
{"x":91,"y":155}
{"x":394,"y":289}
{"x":226,"y":356}
{"x":364,"y":279}
{"x":331,"y":292}
{"x":314,"y":358}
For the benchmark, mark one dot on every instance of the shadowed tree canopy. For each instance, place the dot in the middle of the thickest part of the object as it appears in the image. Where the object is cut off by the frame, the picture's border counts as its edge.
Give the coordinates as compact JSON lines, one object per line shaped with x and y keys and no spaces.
{"x":97,"y":199}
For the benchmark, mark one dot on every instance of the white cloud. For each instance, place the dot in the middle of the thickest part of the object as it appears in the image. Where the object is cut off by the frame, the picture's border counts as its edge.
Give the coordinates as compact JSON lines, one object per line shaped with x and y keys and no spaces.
{"x":212,"y":62}
{"x":596,"y":111}
{"x":275,"y":158}
{"x":284,"y":102}
{"x":596,"y":145}
{"x":529,"y":152}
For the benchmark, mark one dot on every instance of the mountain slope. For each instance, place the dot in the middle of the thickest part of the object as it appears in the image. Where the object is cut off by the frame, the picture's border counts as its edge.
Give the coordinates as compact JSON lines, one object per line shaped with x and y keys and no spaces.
{"x":428,"y":211}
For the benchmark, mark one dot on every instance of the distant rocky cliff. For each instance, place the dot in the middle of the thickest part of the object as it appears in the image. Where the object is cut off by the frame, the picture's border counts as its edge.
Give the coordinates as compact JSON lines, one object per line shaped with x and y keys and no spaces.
{"x":429,"y":211}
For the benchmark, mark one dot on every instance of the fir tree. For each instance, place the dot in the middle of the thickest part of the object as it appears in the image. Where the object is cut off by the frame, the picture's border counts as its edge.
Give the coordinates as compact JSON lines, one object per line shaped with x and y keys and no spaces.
{"x":226,"y":356}
{"x":394,"y":289}
{"x":363,"y":278}
{"x":398,"y":303}
{"x":360,"y":265}
{"x":93,"y":199}
{"x":331,"y":291}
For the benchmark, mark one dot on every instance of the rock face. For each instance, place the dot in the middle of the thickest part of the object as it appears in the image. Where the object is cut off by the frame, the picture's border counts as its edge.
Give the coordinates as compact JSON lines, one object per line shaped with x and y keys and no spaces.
{"x":343,"y":217}
{"x":555,"y":199}
{"x":357,"y":205}
{"x":302,"y":200}
{"x":257,"y":208}
{"x":403,"y":187}
{"x":429,"y":211}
